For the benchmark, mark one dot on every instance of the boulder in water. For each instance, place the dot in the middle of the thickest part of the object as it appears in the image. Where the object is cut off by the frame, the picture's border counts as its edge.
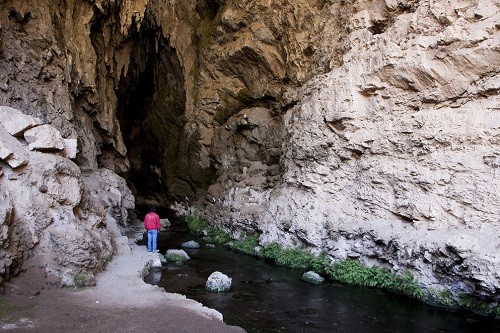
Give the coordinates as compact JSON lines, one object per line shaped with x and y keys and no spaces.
{"x":176,"y":256}
{"x":312,"y":277}
{"x":218,"y":282}
{"x":191,"y":245}
{"x":165,"y":223}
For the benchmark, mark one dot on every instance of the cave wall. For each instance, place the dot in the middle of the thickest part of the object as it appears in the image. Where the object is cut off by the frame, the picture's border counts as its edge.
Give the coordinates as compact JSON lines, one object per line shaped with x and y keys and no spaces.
{"x":361,"y":129}
{"x":59,"y":214}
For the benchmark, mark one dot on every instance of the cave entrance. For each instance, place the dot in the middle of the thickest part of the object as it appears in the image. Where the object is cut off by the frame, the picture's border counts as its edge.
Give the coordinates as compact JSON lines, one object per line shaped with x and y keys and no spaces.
{"x":151,"y":105}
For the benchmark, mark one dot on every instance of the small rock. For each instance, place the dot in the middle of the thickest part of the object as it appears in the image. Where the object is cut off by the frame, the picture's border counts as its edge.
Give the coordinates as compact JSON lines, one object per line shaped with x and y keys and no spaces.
{"x":176,"y":256}
{"x":210,"y":246}
{"x":312,"y":277}
{"x":157,"y":262}
{"x":218,"y":282}
{"x":353,"y":255}
{"x":191,"y":245}
{"x":165,"y":223}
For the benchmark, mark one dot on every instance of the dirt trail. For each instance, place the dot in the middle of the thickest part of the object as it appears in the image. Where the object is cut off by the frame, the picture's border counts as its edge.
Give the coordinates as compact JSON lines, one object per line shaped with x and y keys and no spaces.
{"x":120,"y":302}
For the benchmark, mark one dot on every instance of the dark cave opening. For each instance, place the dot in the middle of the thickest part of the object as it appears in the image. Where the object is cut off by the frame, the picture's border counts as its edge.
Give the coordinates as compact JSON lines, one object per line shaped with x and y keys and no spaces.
{"x":150,"y":110}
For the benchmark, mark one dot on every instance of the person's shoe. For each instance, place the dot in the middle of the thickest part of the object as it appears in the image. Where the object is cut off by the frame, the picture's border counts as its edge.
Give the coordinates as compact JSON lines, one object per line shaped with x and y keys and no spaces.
{"x":156,"y":251}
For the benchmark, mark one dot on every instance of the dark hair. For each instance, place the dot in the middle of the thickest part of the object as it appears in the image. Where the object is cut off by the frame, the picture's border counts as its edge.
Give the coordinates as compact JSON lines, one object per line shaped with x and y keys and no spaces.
{"x":152,"y":209}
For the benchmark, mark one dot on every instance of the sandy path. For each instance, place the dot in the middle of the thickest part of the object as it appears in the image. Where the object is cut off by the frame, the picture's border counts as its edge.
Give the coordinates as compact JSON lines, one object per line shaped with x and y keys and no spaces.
{"x":120,"y":302}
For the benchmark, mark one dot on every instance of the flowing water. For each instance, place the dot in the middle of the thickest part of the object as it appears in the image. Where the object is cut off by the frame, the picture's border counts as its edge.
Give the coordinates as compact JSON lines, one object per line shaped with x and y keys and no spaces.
{"x":269,"y":298}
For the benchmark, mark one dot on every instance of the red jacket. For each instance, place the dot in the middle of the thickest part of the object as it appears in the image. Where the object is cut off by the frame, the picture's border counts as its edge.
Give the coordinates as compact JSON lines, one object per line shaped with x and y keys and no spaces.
{"x":152,"y":221}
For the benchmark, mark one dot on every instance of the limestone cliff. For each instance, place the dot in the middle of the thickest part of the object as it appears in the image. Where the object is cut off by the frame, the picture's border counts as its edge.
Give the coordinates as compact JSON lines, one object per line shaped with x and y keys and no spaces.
{"x":361,"y":129}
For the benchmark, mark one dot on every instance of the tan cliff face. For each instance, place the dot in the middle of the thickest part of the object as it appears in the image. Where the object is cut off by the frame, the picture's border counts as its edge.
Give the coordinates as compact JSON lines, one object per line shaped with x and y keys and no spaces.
{"x":361,"y":129}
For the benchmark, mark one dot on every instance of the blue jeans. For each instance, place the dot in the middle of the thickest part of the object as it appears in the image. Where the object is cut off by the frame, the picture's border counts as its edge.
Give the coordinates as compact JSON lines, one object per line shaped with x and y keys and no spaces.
{"x":152,"y":237}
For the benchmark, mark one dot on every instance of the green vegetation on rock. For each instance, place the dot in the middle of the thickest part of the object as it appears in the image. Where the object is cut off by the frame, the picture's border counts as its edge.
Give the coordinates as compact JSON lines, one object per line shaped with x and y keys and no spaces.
{"x":474,"y":304}
{"x":354,"y":272}
{"x":247,"y":245}
{"x":83,"y":279}
{"x":348,"y":271}
{"x":177,"y":258}
{"x":295,"y":258}
{"x":441,"y":297}
{"x":212,"y":235}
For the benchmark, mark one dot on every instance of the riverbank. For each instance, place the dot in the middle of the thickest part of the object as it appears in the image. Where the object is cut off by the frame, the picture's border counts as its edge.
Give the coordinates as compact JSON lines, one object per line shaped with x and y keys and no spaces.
{"x":120,"y":302}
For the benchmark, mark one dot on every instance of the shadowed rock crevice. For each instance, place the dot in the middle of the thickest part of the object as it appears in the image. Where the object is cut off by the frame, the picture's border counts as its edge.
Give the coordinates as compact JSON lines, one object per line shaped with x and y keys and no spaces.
{"x":151,"y":105}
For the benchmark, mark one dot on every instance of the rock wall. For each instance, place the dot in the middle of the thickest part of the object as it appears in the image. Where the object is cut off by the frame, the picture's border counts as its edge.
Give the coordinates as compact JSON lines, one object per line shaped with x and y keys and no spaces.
{"x":361,"y":129}
{"x":59,"y":209}
{"x":54,"y":226}
{"x":388,"y":153}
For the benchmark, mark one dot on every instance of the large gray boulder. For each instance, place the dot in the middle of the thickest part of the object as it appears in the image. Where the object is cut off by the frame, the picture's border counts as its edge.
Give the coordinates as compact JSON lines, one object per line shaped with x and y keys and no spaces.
{"x":165,"y":223}
{"x":112,"y":192}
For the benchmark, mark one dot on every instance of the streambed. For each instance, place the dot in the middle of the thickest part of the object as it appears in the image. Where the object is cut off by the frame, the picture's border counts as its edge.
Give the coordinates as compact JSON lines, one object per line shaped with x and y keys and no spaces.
{"x":269,"y":298}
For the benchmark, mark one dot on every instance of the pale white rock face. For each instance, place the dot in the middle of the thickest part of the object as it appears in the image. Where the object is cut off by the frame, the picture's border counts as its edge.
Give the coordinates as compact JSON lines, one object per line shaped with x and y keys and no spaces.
{"x":111,"y":191}
{"x":12,"y":151}
{"x":50,"y":223}
{"x":391,"y":157}
{"x":15,"y":122}
{"x":360,"y":129}
{"x":44,"y":137}
{"x":71,"y":148}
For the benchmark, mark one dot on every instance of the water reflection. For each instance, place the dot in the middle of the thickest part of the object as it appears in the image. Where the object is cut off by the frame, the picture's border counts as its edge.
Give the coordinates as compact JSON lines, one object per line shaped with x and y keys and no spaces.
{"x":269,"y":298}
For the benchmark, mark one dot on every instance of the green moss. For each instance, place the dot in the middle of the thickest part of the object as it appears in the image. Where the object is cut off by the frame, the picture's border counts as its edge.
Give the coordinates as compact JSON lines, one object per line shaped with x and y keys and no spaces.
{"x":354,"y":272}
{"x":217,"y":236}
{"x":81,"y":279}
{"x":441,"y":297}
{"x":246,"y":245}
{"x":474,"y":304}
{"x":293,"y":257}
{"x":177,"y":258}
{"x":197,"y":225}
{"x":41,"y":102}
{"x":7,"y":312}
{"x":105,"y":260}
{"x":346,"y":271}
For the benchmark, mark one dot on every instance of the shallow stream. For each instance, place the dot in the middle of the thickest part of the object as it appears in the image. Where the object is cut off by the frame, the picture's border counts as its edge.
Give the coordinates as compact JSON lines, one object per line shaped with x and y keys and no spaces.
{"x":269,"y":298}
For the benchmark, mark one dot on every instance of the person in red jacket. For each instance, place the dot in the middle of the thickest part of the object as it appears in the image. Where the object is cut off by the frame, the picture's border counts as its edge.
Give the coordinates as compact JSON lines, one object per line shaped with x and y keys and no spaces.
{"x":152,"y":225}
